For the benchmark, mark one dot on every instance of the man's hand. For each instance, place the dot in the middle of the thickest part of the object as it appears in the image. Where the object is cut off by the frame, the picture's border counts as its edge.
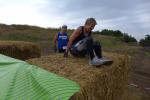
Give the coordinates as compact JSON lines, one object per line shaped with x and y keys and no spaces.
{"x":65,"y":54}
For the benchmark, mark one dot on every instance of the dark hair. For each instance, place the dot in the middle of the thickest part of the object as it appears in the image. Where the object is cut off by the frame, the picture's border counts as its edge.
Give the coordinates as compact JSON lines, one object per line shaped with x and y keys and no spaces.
{"x":64,"y":26}
{"x":90,"y":20}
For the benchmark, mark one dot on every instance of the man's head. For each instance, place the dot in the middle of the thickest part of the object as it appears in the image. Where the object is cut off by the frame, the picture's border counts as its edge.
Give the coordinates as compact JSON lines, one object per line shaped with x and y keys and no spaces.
{"x":64,"y":28}
{"x":90,"y":24}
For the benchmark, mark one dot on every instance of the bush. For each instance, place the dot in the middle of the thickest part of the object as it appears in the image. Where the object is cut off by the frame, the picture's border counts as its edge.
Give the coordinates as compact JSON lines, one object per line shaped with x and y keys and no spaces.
{"x":145,"y":41}
{"x":127,"y":38}
{"x":123,"y":36}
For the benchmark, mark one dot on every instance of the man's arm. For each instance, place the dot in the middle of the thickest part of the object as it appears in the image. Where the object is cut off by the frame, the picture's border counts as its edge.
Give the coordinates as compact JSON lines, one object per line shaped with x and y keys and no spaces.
{"x":74,"y":35}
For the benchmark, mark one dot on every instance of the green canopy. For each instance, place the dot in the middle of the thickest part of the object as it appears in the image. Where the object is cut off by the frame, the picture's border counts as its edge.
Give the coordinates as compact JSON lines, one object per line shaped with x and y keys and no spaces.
{"x":22,"y":81}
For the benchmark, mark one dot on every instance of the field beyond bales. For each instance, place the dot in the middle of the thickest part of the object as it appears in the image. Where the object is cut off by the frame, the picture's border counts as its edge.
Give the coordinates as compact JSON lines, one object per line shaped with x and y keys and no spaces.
{"x":19,"y":49}
{"x":44,"y":36}
{"x":104,"y":83}
{"x":38,"y":35}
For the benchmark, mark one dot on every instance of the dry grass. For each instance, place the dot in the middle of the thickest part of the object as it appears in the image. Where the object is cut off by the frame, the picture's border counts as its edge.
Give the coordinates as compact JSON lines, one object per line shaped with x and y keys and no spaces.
{"x":104,"y":83}
{"x":19,"y":49}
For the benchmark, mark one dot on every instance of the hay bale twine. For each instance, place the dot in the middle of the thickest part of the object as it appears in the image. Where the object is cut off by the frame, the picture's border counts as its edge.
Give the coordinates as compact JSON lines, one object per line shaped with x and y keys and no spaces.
{"x":103,"y":83}
{"x":20,"y":49}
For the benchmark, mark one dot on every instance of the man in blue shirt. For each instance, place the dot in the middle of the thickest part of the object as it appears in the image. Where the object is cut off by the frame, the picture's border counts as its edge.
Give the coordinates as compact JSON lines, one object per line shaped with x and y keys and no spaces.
{"x":61,"y":40}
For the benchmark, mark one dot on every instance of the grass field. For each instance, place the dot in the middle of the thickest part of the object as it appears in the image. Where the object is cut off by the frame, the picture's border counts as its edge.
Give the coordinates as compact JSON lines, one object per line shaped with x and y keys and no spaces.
{"x":45,"y":36}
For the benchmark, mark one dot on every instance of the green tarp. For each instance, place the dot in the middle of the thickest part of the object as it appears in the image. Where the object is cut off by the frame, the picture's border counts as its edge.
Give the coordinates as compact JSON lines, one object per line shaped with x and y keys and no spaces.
{"x":22,"y":81}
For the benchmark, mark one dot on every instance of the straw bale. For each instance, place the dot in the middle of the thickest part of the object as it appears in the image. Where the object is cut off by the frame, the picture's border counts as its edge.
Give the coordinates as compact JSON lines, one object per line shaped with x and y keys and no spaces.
{"x":20,"y":49}
{"x":102,"y":83}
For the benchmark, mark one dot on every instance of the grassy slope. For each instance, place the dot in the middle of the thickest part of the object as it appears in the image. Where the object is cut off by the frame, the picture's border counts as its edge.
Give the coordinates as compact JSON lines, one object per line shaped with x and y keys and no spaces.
{"x":45,"y":36}
{"x":42,"y":36}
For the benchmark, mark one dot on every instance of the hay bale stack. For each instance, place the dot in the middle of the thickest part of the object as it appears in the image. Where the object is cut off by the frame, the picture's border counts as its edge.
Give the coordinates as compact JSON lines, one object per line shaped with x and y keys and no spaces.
{"x":19,"y":49}
{"x":104,"y":83}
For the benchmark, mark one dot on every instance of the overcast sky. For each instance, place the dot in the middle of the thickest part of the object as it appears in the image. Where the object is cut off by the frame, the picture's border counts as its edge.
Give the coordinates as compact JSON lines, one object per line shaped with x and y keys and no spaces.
{"x":129,"y":16}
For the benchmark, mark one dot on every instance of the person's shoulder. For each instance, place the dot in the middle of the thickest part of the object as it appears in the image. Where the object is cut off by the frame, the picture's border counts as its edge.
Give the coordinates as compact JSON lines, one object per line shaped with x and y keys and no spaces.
{"x":80,"y":28}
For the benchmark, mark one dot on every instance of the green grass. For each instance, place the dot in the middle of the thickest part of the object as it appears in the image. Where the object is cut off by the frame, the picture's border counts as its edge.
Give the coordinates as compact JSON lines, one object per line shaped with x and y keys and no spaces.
{"x":109,"y":42}
{"x":44,"y":37}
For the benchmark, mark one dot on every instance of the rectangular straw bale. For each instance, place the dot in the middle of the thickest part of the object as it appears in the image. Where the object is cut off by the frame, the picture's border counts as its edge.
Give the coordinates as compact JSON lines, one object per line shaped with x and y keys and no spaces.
{"x":20,"y":49}
{"x":103,"y":83}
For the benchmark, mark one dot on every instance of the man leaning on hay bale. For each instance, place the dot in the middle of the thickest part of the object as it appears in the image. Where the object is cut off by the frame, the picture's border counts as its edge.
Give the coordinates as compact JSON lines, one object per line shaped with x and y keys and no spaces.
{"x":81,"y":43}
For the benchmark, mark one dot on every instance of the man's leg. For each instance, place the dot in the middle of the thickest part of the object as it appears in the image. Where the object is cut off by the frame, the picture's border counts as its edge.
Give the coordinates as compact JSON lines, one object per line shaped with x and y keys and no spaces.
{"x":100,"y":60}
{"x":97,"y":49}
{"x":61,"y":50}
{"x":83,"y":47}
{"x":89,"y":45}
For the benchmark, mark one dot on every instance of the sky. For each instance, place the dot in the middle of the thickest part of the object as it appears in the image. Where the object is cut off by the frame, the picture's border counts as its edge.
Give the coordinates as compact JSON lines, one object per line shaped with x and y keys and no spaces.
{"x":128,"y":16}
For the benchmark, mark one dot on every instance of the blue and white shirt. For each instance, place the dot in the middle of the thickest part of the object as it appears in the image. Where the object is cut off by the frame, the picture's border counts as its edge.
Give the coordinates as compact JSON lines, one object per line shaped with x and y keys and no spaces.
{"x":62,"y":40}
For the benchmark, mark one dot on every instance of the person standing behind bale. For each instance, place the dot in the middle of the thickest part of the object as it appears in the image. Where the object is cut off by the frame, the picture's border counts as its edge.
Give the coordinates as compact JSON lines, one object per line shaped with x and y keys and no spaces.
{"x":61,"y":40}
{"x":81,"y":43}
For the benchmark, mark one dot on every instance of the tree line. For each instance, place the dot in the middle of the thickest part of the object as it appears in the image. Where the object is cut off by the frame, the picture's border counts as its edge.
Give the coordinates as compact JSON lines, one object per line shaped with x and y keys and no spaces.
{"x":125,"y":37}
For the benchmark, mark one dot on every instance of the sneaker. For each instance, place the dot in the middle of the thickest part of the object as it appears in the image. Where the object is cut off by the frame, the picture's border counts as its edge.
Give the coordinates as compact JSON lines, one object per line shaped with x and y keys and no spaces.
{"x":106,"y":61}
{"x":100,"y":61}
{"x":96,"y":62}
